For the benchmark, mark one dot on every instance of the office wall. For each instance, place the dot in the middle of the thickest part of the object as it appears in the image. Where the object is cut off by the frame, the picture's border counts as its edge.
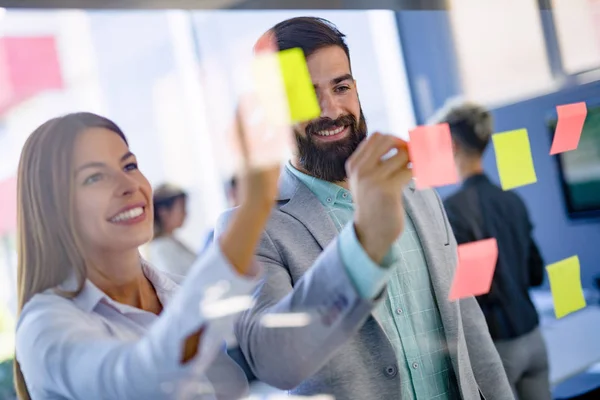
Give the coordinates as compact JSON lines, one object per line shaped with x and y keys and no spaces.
{"x":558,"y":236}
{"x":431,"y":67}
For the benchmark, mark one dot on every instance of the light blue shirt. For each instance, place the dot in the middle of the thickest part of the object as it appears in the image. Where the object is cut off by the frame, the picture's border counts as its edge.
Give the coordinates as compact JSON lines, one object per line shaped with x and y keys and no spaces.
{"x":368,"y":277}
{"x":409,"y":314}
{"x":91,"y":347}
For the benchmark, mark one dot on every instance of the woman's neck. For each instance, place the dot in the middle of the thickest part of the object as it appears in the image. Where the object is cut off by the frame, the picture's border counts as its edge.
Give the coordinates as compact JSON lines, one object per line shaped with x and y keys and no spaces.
{"x":121,"y":277}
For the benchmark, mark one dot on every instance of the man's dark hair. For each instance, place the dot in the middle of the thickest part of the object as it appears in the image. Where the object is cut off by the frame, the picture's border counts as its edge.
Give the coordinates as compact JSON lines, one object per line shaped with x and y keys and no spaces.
{"x":310,"y":34}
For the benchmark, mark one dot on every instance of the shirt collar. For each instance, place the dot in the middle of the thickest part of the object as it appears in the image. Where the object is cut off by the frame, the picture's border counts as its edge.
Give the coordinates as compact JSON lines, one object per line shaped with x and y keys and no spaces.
{"x":476,"y":179}
{"x":326,"y":192}
{"x":90,"y":296}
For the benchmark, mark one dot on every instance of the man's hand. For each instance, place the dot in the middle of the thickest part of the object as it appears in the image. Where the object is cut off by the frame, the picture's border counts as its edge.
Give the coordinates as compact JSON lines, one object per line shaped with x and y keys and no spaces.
{"x":376,"y":187}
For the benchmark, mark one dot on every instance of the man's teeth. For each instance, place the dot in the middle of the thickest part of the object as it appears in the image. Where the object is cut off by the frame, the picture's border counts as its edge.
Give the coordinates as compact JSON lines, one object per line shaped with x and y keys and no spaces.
{"x":331,"y":132}
{"x":129,"y":214}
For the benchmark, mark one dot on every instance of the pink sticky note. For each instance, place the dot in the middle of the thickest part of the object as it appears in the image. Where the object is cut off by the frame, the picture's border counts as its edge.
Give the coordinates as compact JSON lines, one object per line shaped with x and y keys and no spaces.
{"x":571,"y":118}
{"x":430,"y":150}
{"x":475,"y":269}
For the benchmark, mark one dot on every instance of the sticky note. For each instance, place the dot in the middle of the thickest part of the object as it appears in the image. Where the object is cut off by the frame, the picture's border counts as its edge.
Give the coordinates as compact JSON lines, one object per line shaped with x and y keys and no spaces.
{"x":266,"y":43}
{"x":565,"y":284}
{"x":513,"y":158}
{"x":302,"y":98}
{"x":269,"y":87}
{"x":571,"y":118}
{"x":430,"y":149}
{"x":259,"y":141}
{"x":475,"y":269}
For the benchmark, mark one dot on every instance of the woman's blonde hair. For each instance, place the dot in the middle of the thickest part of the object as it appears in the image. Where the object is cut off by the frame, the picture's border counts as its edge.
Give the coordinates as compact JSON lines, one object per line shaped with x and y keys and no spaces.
{"x":48,"y":246}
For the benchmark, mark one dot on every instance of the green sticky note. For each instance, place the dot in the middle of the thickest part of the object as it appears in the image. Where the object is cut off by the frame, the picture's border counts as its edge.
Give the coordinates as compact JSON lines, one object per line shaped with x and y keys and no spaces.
{"x":565,"y":284}
{"x":513,"y":158}
{"x":302,"y":98}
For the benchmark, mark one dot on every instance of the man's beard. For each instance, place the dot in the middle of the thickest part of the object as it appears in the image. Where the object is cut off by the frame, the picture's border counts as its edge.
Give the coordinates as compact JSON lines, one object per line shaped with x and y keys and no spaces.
{"x":327,"y":160}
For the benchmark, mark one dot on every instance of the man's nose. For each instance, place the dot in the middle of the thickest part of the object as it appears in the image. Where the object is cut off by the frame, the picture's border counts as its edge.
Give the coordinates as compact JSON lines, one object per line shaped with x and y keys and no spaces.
{"x":330,"y":107}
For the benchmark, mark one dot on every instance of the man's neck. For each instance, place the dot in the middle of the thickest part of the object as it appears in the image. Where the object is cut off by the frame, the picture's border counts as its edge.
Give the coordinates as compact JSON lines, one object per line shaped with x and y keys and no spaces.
{"x":468,"y":168}
{"x":296,"y":164}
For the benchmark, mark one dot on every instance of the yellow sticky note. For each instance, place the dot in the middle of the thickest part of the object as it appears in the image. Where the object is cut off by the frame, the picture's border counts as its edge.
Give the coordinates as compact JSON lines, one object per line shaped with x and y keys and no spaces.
{"x":302,"y":98}
{"x":513,"y":158}
{"x":270,"y":88}
{"x":565,"y":284}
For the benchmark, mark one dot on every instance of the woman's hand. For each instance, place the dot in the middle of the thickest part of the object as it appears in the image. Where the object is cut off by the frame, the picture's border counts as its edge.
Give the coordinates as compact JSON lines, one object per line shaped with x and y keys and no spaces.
{"x":258,"y":179}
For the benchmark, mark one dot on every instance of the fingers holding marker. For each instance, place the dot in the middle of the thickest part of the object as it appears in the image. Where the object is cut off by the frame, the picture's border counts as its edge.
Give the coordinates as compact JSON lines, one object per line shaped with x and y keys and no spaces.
{"x":370,"y":152}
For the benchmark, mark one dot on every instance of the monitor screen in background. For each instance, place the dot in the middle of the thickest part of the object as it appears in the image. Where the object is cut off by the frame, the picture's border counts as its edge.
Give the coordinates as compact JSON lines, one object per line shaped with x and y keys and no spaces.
{"x":580,"y":169}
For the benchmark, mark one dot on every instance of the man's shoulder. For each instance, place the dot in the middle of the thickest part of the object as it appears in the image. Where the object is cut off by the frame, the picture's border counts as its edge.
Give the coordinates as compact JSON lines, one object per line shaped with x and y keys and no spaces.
{"x":278,"y":220}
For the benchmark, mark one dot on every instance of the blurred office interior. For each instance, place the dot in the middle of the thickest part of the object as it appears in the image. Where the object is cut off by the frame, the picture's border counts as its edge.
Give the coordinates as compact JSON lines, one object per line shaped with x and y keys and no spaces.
{"x":170,"y":78}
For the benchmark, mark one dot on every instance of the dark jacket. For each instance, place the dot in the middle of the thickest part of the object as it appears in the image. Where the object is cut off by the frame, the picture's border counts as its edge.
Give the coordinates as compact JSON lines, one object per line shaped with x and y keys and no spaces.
{"x":481,"y":210}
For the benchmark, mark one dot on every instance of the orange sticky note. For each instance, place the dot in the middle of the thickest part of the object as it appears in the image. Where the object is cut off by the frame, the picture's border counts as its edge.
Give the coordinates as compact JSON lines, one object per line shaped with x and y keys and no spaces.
{"x":571,"y":118}
{"x":430,"y":150}
{"x":475,"y":269}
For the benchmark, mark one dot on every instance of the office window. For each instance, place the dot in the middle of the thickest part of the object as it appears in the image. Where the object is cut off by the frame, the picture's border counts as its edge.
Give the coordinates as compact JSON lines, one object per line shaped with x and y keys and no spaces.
{"x":578,"y":30}
{"x":500,"y":48}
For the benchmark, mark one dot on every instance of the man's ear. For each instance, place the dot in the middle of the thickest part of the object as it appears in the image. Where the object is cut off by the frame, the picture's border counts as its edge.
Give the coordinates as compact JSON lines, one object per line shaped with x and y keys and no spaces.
{"x":162,"y":212}
{"x":455,"y":147}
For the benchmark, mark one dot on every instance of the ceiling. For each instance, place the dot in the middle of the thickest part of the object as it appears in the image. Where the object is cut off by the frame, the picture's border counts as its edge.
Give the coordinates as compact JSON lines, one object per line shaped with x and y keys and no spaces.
{"x":228,"y":4}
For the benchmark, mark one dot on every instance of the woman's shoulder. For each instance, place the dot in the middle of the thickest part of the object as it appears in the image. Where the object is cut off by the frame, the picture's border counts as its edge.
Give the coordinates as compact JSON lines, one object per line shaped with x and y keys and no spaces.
{"x":49,"y":309}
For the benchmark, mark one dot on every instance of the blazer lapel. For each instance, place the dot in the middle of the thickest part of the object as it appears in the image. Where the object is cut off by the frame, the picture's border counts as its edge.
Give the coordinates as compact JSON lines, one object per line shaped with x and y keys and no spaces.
{"x":440,"y":272}
{"x":303,"y":205}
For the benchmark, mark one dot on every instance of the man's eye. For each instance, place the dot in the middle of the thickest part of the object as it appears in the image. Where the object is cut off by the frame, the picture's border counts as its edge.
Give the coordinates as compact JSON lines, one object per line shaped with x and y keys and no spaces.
{"x":131,"y":166}
{"x":342,"y":89}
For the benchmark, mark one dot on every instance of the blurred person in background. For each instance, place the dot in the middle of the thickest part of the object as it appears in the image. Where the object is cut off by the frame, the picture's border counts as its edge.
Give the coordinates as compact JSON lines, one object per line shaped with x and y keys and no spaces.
{"x":367,"y":257}
{"x":233,"y":197}
{"x":480,"y":210}
{"x":96,"y":321}
{"x":166,"y":252}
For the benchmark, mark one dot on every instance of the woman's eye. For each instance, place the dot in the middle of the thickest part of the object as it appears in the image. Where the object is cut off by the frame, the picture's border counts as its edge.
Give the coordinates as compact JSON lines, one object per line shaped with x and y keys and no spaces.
{"x":131,"y":167}
{"x":92,"y":179}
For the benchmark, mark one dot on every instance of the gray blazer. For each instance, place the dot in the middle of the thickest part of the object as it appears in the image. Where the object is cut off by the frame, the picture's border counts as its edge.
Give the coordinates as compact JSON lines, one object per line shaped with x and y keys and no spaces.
{"x":344,"y":351}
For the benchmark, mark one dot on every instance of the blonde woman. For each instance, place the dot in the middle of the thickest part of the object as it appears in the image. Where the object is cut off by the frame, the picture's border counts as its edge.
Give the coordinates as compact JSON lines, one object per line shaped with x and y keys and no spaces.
{"x":96,"y":321}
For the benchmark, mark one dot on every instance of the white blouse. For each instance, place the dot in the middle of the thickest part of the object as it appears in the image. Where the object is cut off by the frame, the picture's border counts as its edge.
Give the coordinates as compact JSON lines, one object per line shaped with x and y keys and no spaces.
{"x":91,"y":347}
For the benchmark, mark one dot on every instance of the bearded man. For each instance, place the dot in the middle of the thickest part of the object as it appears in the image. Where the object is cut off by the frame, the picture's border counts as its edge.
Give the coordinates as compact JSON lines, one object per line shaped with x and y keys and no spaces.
{"x":352,"y":244}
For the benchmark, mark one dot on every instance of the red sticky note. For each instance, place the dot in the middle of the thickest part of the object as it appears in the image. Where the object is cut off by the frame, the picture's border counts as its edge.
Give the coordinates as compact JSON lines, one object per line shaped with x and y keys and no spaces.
{"x":267,"y":43}
{"x":475,"y":269}
{"x":571,"y":118}
{"x":430,"y":150}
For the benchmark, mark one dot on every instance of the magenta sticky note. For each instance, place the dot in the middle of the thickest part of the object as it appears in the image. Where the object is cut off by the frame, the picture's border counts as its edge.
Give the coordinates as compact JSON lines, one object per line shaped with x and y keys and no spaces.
{"x":475,"y":269}
{"x":430,"y":150}
{"x":571,"y":118}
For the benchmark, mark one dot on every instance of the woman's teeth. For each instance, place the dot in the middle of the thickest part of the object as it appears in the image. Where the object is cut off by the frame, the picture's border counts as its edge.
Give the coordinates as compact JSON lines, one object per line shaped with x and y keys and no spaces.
{"x":331,"y":132}
{"x":129,"y":214}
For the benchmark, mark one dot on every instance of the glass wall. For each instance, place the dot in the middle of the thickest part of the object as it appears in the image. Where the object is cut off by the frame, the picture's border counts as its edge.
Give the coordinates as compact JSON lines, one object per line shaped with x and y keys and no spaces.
{"x":169,"y":79}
